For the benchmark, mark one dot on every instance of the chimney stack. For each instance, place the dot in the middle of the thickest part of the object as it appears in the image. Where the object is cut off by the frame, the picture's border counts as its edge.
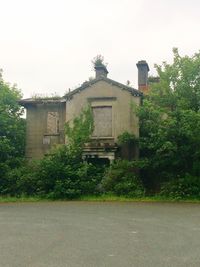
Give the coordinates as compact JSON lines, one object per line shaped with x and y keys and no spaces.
{"x":143,"y":70}
{"x":101,"y":71}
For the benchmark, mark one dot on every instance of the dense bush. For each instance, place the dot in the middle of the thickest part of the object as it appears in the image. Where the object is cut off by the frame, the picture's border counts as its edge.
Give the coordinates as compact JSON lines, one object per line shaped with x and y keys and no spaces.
{"x":182,"y":187}
{"x":121,"y":179}
{"x":20,"y":180}
{"x":61,"y":175}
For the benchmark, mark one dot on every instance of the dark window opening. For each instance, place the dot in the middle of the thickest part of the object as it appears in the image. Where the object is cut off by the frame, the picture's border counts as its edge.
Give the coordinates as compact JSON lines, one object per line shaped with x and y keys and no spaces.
{"x":99,"y":161}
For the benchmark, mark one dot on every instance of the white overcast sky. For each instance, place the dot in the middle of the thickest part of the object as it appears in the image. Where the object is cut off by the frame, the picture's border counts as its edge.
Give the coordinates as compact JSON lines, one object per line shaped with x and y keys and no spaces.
{"x":46,"y":46}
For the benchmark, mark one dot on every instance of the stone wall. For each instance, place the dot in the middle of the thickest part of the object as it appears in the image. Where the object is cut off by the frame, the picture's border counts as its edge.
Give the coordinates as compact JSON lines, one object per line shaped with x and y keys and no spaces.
{"x":45,"y":128}
{"x":103,"y":94}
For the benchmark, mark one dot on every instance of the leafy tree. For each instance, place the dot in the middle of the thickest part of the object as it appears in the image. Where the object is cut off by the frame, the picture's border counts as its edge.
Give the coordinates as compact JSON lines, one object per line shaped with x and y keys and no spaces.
{"x":179,"y":85}
{"x":170,"y":121}
{"x":12,"y":133}
{"x":11,"y":123}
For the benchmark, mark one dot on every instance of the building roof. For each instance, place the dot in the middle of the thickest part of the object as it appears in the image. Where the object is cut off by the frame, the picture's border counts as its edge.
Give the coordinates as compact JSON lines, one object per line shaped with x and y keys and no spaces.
{"x":44,"y":100}
{"x":69,"y":95}
{"x":133,"y":91}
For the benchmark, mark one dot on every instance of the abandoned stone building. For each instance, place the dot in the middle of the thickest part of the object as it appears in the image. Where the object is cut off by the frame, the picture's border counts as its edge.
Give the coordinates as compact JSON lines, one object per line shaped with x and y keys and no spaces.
{"x":111,"y":105}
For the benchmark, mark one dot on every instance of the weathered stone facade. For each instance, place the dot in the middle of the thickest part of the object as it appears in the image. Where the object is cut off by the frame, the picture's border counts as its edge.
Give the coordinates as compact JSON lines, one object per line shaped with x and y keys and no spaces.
{"x":111,"y":103}
{"x":42,"y":133}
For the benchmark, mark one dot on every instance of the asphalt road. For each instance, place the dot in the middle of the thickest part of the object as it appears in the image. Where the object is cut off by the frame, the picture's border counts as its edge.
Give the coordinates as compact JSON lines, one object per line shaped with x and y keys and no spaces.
{"x":77,"y":234}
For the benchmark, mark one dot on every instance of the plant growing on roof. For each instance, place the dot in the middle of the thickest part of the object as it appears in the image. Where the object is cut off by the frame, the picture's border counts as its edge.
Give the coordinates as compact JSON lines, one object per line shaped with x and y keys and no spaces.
{"x":98,"y":61}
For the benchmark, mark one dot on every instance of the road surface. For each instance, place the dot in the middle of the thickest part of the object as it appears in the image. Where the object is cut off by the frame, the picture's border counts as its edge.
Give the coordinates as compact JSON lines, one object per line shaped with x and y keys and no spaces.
{"x":106,"y":234}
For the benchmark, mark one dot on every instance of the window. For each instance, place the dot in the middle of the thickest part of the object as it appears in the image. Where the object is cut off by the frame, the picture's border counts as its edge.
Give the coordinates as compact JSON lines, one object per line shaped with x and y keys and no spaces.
{"x":52,"y":123}
{"x":102,"y":121}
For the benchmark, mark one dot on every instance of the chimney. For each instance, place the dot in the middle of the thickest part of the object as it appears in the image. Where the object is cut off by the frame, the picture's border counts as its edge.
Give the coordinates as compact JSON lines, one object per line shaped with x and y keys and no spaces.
{"x":101,"y":71}
{"x":143,"y":70}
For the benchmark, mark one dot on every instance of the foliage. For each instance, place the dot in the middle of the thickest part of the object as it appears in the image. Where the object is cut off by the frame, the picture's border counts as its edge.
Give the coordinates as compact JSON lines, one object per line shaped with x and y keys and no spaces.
{"x":122,"y":179}
{"x":11,"y":124}
{"x":12,"y":132}
{"x":170,"y":121}
{"x":54,"y":96}
{"x":182,"y":187}
{"x":61,"y":175}
{"x":178,"y":87}
{"x":98,"y":61}
{"x":79,"y":131}
{"x":126,"y":138}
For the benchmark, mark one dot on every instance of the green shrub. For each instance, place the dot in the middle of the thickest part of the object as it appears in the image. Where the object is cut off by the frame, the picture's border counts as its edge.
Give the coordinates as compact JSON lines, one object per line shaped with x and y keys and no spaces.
{"x":9,"y":176}
{"x":182,"y":187}
{"x":58,"y":176}
{"x":127,"y":138}
{"x":122,"y":179}
{"x":28,"y":182}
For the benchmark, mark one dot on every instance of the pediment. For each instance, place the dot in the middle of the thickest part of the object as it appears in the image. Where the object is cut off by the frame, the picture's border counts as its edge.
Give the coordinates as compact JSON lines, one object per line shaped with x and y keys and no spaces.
{"x":88,"y":84}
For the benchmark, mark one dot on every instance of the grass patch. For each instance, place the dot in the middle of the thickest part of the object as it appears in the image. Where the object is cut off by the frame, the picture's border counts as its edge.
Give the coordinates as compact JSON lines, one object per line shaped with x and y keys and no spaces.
{"x":98,"y":198}
{"x":110,"y":197}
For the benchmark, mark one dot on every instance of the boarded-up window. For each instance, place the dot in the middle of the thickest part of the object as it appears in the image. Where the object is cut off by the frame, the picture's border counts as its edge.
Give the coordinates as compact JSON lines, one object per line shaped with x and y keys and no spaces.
{"x":102,"y":121}
{"x":52,"y":123}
